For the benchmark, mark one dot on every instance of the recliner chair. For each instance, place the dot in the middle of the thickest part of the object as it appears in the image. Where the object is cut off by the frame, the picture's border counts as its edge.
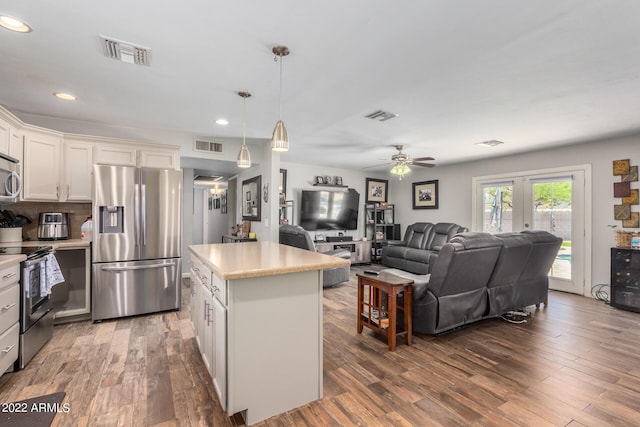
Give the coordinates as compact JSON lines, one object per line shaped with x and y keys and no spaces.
{"x":298,"y":237}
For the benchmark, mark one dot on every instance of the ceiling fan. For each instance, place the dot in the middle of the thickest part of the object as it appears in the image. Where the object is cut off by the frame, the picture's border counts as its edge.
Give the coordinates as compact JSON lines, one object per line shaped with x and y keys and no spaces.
{"x":401,"y":162}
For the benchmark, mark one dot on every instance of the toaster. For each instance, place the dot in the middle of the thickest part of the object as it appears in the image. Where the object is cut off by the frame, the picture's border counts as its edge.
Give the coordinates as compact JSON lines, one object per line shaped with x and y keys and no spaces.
{"x":53,"y":226}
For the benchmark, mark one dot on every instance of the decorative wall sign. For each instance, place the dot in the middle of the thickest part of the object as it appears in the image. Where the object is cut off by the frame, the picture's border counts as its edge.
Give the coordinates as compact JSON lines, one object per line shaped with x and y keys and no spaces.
{"x":632,"y":176}
{"x":632,"y":199}
{"x":633,"y":221}
{"x":621,"y":212}
{"x":621,"y":167}
{"x":621,"y":189}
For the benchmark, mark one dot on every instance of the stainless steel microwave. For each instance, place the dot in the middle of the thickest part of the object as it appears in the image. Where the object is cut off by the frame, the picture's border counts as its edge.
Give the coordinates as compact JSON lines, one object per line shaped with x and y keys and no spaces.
{"x":10,"y":182}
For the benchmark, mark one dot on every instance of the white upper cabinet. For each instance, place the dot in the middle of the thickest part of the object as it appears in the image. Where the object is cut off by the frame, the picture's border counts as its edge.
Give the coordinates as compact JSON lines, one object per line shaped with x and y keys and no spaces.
{"x":42,"y":165}
{"x":78,"y":163}
{"x":115,"y":154}
{"x":157,"y":158}
{"x":5,"y":136}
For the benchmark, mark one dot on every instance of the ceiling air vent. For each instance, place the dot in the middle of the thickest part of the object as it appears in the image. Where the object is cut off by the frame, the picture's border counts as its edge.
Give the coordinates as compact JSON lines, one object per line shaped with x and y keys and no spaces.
{"x":209,"y":146}
{"x":381,"y":116}
{"x":490,"y":143}
{"x":125,"y":51}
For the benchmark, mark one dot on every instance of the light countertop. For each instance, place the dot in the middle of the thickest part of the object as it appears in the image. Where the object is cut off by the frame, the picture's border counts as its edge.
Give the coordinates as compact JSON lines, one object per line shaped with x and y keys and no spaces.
{"x":257,"y":259}
{"x":55,"y":244}
{"x":9,"y":260}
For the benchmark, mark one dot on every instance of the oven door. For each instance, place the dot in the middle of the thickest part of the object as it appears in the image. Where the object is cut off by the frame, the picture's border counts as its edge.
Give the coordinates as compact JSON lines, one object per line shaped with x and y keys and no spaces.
{"x":34,"y":304}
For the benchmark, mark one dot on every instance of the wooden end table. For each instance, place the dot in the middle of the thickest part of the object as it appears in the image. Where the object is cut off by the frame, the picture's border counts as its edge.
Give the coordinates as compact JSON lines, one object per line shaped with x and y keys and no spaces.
{"x":379,"y":311}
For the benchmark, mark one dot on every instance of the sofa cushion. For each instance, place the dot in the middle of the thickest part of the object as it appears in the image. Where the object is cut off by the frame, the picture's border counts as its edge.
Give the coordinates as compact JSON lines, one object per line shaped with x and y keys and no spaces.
{"x":442,"y":233}
{"x":418,"y":234}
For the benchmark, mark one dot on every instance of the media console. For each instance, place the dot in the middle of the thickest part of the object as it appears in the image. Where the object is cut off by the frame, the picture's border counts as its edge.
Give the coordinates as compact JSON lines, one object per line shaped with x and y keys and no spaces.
{"x":360,"y":251}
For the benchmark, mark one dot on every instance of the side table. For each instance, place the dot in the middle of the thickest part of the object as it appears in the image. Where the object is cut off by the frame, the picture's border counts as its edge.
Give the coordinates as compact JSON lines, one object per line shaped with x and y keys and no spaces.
{"x":379,"y":310}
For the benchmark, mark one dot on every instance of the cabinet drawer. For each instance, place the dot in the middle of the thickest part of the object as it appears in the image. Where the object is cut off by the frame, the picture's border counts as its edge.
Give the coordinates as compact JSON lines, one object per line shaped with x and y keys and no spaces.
{"x":219,"y":287}
{"x":9,"y":347}
{"x":9,"y":306}
{"x":9,"y":275}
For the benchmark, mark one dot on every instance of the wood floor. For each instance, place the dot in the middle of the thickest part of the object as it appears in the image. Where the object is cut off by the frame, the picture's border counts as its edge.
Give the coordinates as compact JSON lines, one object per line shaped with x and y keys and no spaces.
{"x":576,"y":363}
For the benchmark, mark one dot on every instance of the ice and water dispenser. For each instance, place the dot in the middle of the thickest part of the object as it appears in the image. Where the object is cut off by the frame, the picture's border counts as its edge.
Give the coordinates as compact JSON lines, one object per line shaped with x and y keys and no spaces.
{"x":111,"y":219}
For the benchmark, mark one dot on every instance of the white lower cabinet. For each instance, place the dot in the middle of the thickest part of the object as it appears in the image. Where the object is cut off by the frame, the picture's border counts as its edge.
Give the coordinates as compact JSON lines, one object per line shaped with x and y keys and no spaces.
{"x":207,"y":348}
{"x":195,"y":292}
{"x":220,"y":351}
{"x":9,"y":315}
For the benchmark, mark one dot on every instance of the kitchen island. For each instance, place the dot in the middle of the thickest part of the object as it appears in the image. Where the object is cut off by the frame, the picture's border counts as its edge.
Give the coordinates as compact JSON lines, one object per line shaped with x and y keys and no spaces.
{"x":257,"y":315}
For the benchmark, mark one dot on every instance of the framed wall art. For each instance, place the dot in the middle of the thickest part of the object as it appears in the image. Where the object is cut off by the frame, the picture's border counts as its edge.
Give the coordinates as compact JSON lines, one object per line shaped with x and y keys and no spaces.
{"x":376,"y":190}
{"x":425,"y":195}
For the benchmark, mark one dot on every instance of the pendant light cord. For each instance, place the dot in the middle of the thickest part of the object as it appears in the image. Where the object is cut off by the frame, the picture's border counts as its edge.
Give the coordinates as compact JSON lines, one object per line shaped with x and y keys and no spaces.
{"x":244,"y":121}
{"x":280,"y":95}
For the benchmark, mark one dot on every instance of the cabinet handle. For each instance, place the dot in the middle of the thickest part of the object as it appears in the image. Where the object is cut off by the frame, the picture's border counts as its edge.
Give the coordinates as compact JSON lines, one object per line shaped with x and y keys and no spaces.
{"x":57,"y":191}
{"x":6,"y":276}
{"x":205,"y":310}
{"x":8,"y":349}
{"x":209,"y":321}
{"x":8,"y":306}
{"x":68,"y":191}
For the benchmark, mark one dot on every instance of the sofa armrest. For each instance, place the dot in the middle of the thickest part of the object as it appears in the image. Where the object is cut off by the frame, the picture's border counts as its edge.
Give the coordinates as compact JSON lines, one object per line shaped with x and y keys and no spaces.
{"x":340,"y":253}
{"x":396,"y":243}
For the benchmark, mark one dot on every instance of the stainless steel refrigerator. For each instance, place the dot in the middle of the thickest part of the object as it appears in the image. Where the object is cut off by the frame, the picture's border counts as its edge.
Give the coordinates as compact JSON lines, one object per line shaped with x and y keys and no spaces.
{"x":136,"y":241}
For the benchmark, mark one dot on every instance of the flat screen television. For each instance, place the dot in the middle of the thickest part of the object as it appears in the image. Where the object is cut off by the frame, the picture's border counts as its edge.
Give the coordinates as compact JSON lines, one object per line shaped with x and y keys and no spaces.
{"x":329,"y":210}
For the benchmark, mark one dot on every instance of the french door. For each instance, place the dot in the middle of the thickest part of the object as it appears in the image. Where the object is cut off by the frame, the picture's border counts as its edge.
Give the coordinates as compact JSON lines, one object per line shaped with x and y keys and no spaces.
{"x":554,"y":200}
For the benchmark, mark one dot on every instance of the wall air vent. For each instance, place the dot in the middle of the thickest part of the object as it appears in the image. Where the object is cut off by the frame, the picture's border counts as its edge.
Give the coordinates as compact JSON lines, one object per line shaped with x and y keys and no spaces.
{"x":381,"y":116}
{"x":125,"y":51}
{"x":208,"y":146}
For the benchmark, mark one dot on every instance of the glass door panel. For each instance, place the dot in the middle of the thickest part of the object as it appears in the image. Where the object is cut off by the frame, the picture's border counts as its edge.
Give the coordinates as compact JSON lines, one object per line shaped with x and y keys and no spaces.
{"x":497,"y":208}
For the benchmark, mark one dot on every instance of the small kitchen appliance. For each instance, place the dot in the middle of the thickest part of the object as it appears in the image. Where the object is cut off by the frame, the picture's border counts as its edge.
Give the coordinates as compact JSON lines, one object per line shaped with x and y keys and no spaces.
{"x":53,"y":226}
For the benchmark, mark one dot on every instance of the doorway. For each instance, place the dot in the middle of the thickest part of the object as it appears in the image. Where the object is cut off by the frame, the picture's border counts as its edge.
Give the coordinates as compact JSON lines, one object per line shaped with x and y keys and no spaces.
{"x":555,"y":200}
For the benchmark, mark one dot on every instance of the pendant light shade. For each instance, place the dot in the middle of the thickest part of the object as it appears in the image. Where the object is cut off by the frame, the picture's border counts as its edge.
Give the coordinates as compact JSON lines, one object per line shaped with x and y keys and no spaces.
{"x":244,"y":157}
{"x":400,"y":169}
{"x":280,"y":138}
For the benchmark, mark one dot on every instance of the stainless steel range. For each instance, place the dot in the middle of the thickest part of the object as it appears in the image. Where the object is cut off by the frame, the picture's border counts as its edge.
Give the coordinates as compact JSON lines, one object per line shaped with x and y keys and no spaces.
{"x":36,"y":317}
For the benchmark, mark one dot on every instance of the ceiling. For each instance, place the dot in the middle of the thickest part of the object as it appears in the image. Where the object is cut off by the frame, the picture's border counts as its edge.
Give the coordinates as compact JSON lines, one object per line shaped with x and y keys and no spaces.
{"x":532,"y":74}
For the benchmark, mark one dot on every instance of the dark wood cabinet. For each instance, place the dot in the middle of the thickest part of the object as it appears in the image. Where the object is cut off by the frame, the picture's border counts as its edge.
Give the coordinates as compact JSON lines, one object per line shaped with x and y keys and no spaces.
{"x":625,"y":278}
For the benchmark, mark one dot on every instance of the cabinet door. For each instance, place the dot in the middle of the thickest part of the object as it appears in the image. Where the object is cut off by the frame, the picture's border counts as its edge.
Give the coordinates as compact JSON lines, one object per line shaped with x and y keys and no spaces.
{"x":113,"y":154}
{"x":164,"y":159}
{"x":78,"y":163}
{"x":5,"y":132}
{"x":16,"y":145}
{"x":220,"y":351}
{"x":42,"y":159}
{"x":207,"y":350}
{"x":194,"y":292}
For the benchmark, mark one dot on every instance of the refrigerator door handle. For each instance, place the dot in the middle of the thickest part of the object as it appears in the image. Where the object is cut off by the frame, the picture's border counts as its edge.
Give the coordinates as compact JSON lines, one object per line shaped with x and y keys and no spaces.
{"x":143,"y":214}
{"x":136,"y":213}
{"x":138,"y":267}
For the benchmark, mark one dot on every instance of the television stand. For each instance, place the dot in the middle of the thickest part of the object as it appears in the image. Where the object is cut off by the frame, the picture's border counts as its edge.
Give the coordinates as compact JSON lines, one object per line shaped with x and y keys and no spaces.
{"x":360,"y":251}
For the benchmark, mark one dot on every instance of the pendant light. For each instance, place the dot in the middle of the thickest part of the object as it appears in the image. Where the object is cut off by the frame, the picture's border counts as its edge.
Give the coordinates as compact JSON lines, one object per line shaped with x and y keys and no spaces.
{"x":280,"y":139}
{"x":244,"y":157}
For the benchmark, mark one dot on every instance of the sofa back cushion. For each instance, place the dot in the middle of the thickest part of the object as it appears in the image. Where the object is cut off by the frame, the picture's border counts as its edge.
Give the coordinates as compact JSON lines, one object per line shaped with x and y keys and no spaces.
{"x":417,"y":235}
{"x":296,"y":236}
{"x":465,"y":264}
{"x":513,"y":259}
{"x":545,"y":247}
{"x":442,"y":233}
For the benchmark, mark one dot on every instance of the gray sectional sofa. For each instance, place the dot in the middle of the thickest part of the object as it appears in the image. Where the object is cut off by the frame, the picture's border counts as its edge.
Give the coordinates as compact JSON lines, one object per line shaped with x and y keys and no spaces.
{"x":419,"y":249}
{"x":479,"y":276}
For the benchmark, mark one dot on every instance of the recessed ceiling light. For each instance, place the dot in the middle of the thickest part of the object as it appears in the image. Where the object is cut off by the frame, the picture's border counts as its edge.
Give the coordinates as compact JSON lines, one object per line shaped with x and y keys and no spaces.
{"x":65,"y":96}
{"x":14,"y":24}
{"x":222,"y":122}
{"x":490,"y":143}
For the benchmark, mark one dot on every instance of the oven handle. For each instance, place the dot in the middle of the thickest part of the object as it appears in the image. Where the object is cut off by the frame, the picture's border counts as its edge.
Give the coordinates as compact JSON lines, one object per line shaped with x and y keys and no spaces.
{"x":34,"y":261}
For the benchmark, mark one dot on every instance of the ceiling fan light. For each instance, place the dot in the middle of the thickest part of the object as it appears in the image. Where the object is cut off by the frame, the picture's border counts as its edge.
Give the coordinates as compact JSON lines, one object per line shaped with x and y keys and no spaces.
{"x":400,"y":169}
{"x":280,"y":139}
{"x":244,"y":157}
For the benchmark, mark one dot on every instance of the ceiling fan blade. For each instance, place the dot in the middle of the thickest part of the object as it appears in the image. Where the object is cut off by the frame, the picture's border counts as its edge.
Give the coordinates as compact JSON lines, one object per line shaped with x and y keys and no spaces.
{"x":376,"y":166}
{"x":419,"y":159}
{"x":425,"y":165}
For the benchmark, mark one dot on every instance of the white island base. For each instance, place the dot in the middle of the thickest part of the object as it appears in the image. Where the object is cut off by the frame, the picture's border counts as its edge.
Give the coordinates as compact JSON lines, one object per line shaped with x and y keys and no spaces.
{"x":265,"y":303}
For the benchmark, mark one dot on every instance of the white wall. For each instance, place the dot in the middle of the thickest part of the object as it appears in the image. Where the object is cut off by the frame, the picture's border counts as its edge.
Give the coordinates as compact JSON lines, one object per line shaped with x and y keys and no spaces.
{"x":455,"y":189}
{"x":301,"y":177}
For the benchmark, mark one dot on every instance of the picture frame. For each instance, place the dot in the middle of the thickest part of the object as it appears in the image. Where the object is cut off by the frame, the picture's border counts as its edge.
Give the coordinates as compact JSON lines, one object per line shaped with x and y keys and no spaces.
{"x":319,"y":180}
{"x":282,"y":186}
{"x":216,"y":203}
{"x":338,"y":180}
{"x":425,"y":194}
{"x":252,"y":208}
{"x":223,"y":202}
{"x":376,"y":190}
